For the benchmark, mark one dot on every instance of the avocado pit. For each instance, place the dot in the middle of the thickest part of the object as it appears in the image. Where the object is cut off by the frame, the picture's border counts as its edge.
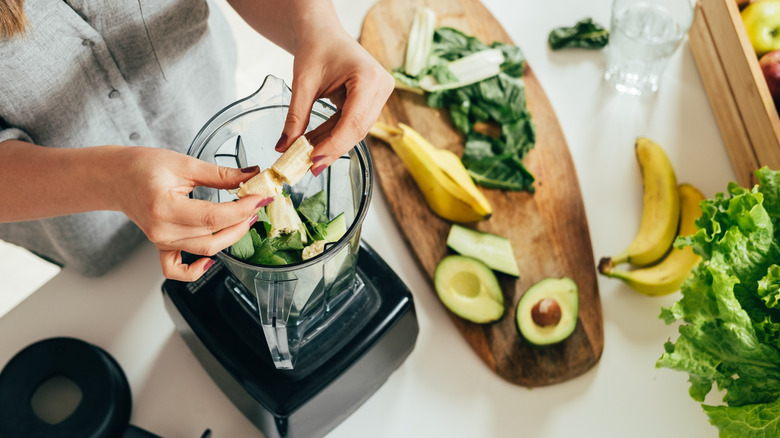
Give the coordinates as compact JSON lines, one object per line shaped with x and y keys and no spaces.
{"x":547,"y":312}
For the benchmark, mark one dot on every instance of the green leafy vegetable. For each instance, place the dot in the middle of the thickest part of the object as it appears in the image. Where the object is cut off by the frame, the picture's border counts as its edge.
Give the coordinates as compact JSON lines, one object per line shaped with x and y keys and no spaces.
{"x":257,"y":247}
{"x":481,"y":83}
{"x":314,"y":208}
{"x":243,"y":249}
{"x":730,"y":331}
{"x":585,"y":34}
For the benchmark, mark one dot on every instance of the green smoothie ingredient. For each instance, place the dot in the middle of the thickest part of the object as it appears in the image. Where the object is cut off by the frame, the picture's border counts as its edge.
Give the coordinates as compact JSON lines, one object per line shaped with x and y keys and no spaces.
{"x":729,"y":312}
{"x":469,"y":289}
{"x":284,"y":234}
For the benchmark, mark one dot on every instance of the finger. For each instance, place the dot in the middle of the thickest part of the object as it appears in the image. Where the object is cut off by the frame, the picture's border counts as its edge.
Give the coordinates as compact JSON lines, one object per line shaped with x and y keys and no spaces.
{"x":212,"y":217}
{"x":357,"y":116}
{"x":219,"y":177}
{"x":175,"y":269}
{"x":301,"y":102}
{"x":209,"y":245}
{"x":316,"y":135}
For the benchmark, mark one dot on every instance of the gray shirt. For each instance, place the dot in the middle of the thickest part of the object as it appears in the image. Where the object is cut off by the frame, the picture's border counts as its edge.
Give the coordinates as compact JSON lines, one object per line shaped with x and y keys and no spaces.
{"x":96,"y":72}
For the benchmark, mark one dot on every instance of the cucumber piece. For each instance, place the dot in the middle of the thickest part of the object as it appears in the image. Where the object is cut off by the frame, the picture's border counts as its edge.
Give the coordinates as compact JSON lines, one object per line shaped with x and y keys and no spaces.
{"x":336,"y":229}
{"x":491,"y":249}
{"x":469,"y":289}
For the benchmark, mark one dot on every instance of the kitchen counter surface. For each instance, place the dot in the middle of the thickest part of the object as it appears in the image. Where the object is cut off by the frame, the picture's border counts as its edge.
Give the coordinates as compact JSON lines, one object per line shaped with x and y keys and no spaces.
{"x":443,"y":388}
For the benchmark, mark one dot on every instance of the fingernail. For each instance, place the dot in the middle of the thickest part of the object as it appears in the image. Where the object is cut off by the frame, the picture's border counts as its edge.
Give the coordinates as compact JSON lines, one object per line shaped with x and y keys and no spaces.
{"x":208,"y":264}
{"x":281,"y":142}
{"x":252,"y":220}
{"x":250,"y":169}
{"x":318,"y":158}
{"x":264,"y":202}
{"x":317,"y":170}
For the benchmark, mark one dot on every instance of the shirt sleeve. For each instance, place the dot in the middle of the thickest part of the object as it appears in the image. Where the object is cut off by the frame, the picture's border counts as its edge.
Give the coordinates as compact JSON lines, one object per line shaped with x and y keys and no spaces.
{"x":10,"y":133}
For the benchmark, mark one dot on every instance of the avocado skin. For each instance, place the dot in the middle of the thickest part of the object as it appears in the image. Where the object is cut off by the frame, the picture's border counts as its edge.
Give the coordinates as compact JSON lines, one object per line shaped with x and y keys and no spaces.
{"x":482,"y":305}
{"x":564,"y":291}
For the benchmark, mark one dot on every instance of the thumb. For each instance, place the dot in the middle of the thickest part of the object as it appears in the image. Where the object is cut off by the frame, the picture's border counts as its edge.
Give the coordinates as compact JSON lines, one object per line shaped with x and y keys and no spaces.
{"x":303,"y":96}
{"x":221,"y":177}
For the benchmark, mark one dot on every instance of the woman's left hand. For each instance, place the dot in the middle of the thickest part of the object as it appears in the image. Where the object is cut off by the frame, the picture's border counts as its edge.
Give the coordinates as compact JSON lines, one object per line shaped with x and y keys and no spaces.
{"x":337,"y":68}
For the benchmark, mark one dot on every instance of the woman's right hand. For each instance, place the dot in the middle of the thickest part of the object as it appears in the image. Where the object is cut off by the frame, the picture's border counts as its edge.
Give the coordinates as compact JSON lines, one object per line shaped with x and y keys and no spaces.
{"x":154,"y":195}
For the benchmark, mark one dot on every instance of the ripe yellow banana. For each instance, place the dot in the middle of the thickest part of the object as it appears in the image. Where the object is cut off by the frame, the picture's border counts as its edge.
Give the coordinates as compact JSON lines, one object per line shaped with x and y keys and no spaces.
{"x":439,"y":174}
{"x":669,"y":274}
{"x":289,"y":168}
{"x":660,"y":208}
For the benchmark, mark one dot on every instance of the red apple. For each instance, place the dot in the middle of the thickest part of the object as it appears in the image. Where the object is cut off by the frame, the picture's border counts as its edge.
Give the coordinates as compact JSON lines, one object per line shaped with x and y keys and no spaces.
{"x":770,"y":66}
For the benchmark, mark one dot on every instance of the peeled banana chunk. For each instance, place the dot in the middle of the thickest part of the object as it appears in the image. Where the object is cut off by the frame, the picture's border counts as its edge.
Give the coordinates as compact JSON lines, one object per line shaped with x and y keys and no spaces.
{"x":289,"y":168}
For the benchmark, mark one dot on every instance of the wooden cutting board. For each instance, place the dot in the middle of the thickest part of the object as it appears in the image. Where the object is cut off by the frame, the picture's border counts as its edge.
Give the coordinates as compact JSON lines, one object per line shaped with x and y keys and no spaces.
{"x":548,"y":229}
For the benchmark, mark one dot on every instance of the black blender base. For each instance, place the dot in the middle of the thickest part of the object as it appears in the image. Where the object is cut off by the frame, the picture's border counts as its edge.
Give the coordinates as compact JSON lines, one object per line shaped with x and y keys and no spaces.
{"x":230,"y":345}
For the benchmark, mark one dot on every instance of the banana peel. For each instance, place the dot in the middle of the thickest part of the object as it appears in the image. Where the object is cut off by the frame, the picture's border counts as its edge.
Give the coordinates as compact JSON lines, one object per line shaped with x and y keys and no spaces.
{"x":671,"y":272}
{"x":439,"y":174}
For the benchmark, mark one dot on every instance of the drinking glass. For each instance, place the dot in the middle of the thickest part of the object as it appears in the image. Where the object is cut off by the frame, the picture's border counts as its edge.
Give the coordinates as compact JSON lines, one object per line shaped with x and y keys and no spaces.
{"x":643,"y":36}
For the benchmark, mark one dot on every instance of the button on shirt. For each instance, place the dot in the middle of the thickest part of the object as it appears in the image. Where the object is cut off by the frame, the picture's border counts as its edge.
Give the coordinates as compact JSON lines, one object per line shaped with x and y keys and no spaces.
{"x":97,"y":72}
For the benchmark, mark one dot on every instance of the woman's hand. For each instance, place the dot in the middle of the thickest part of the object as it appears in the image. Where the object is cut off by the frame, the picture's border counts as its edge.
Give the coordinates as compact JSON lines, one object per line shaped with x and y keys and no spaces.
{"x":328,"y":63}
{"x":153,"y":193}
{"x":339,"y":69}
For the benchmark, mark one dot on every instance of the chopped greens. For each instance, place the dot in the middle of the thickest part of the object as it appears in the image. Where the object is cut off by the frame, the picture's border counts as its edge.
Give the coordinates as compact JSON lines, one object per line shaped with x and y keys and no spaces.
{"x":479,"y":84}
{"x":730,"y":331}
{"x":259,"y":247}
{"x":585,"y":34}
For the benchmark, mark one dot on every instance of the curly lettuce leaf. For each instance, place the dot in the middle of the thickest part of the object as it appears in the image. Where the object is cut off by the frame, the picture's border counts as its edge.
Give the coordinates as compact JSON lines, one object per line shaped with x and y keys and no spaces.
{"x":730,"y":331}
{"x":749,"y":421}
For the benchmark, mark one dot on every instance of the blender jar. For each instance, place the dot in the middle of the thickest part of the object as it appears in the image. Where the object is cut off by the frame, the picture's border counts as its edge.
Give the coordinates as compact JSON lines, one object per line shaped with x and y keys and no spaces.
{"x":302,"y":307}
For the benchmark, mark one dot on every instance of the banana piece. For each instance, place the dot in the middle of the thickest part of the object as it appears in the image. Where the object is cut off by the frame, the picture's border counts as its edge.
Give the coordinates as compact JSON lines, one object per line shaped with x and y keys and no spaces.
{"x":670,"y":273}
{"x":289,"y":168}
{"x":445,"y":184}
{"x":266,"y":184}
{"x":294,"y":162}
{"x":284,"y":218}
{"x":316,"y":248}
{"x":660,"y":209}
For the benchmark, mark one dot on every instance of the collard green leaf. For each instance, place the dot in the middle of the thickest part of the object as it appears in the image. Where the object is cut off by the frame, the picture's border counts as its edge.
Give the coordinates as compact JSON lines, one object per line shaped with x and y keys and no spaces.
{"x":585,"y":34}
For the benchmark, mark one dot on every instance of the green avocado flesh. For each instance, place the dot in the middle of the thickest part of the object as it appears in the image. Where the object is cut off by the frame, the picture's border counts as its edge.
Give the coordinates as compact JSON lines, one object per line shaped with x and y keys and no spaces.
{"x":559,"y":323}
{"x":469,"y":289}
{"x":493,"y":250}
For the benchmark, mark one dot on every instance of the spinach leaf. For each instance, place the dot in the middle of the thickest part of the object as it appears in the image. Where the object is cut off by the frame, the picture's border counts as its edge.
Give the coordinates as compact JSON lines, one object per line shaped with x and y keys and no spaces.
{"x":243,"y":249}
{"x":489,"y":169}
{"x":585,"y":34}
{"x":314,"y":208}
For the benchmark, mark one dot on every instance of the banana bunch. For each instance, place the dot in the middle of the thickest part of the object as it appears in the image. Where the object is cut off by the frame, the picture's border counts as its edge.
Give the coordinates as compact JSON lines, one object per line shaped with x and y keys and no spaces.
{"x":444,"y":182}
{"x":668,"y":210}
{"x":289,"y":168}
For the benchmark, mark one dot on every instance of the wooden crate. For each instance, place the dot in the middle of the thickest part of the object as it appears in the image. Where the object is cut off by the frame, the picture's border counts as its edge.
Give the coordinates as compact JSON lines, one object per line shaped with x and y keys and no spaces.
{"x":736,"y":88}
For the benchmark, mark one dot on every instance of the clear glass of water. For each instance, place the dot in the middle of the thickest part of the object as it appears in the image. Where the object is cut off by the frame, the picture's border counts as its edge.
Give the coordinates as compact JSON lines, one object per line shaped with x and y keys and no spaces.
{"x":643,"y":36}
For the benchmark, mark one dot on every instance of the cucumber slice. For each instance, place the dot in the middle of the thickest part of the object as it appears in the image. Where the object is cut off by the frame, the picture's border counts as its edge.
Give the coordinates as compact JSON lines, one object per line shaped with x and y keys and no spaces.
{"x":491,"y":249}
{"x":336,"y":229}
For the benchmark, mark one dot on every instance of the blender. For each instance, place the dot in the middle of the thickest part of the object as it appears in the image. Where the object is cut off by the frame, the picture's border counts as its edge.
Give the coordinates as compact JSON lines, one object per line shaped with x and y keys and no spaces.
{"x":296,"y":347}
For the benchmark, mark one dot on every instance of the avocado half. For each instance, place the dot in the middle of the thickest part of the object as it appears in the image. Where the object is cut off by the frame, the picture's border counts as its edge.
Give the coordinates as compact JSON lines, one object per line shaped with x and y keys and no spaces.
{"x":469,"y":289}
{"x":547,"y":312}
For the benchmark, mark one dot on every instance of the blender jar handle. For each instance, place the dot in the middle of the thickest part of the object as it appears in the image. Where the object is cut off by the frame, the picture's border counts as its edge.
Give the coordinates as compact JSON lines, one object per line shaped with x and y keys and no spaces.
{"x":274,"y":300}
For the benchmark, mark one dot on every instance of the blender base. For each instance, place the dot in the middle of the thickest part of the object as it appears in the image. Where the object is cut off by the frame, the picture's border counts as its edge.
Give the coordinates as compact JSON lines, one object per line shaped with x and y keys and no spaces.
{"x":309,"y":402}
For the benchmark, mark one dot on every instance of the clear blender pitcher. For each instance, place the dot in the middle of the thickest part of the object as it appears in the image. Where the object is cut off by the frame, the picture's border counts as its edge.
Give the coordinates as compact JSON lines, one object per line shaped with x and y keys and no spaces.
{"x":305,"y":307}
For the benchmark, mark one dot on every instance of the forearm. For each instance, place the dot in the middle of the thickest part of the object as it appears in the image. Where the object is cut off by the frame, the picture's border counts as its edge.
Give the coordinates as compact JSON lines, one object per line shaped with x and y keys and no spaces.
{"x":40,"y":182}
{"x":288,"y":23}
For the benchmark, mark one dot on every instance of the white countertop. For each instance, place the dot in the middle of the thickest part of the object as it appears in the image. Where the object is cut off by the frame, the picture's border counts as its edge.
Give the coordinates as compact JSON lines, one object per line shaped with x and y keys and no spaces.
{"x":443,"y":388}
